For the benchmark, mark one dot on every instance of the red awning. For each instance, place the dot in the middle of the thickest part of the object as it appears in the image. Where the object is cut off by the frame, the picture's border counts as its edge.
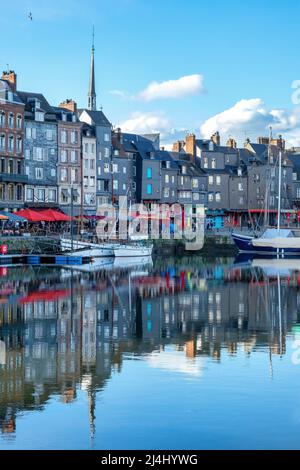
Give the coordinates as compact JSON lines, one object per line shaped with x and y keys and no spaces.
{"x":56,"y":216}
{"x":33,"y":216}
{"x":46,"y":296}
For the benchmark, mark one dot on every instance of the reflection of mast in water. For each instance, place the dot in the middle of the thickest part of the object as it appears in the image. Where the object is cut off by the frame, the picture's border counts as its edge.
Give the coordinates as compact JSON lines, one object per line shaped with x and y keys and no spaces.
{"x":280,"y":314}
{"x":92,"y":407}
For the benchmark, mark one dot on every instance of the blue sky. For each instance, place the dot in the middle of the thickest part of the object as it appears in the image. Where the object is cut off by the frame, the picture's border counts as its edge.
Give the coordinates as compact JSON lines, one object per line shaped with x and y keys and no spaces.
{"x":236,"y":57}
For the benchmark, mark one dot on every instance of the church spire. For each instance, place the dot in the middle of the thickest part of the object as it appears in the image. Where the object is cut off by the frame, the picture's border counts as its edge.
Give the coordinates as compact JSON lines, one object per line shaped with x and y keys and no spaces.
{"x":92,"y":93}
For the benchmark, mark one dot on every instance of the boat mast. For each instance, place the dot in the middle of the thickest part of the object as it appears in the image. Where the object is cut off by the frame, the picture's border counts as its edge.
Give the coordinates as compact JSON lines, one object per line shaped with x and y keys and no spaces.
{"x":279,"y":190}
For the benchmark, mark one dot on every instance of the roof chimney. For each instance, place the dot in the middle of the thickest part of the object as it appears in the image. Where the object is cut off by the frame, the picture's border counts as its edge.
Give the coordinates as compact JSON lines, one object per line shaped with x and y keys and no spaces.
{"x":216,"y":138}
{"x":231,"y":143}
{"x":190,"y":145}
{"x":10,"y":77}
{"x":70,"y":105}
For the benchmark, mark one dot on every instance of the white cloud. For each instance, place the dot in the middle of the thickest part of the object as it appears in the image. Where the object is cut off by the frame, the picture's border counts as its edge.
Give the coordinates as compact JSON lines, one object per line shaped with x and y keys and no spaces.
{"x":184,"y":86}
{"x":250,"y":118}
{"x":145,"y":123}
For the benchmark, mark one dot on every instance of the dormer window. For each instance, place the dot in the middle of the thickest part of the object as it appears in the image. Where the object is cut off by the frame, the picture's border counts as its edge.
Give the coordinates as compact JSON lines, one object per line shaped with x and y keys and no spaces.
{"x":64,"y":117}
{"x":168,"y":165}
{"x":211,"y":146}
{"x":183,"y":170}
{"x":39,"y":116}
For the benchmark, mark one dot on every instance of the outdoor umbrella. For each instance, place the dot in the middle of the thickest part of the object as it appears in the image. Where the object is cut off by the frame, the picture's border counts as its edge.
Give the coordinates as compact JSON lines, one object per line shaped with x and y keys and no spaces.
{"x":33,"y":216}
{"x":56,"y":216}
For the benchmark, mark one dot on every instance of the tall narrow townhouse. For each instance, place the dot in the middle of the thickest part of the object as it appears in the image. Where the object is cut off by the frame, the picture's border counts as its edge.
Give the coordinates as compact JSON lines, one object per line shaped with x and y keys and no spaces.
{"x":69,"y":158}
{"x":12,"y":174}
{"x":89,"y":170}
{"x":40,"y":149}
{"x":103,"y":134}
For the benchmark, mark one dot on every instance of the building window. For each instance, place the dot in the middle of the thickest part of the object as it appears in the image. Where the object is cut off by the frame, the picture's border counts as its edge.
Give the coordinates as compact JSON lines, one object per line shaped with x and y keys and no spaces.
{"x":294,"y":176}
{"x":210,"y":180}
{"x":149,"y":189}
{"x":63,"y":137}
{"x":195,"y":183}
{"x":183,"y":170}
{"x":19,"y":167}
{"x":19,"y":144}
{"x":298,"y":193}
{"x":106,"y":185}
{"x":92,"y":181}
{"x":92,"y":164}
{"x":29,"y":194}
{"x":241,"y":200}
{"x":39,"y":116}
{"x":2,"y":165}
{"x":63,"y":156}
{"x":241,"y":187}
{"x":149,"y":172}
{"x":106,"y":167}
{"x":2,"y":118}
{"x":205,"y":162}
{"x":218,"y":197}
{"x":2,"y":142}
{"x":19,"y":192}
{"x":52,"y":195}
{"x":74,"y":175}
{"x":11,"y":143}
{"x":39,"y":173}
{"x":115,"y":168}
{"x":11,"y":120}
{"x":19,"y":121}
{"x":41,"y":195}
{"x":10,"y":192}
{"x":38,"y":154}
{"x":213,"y":164}
{"x":210,"y":197}
{"x":166,"y":192}
{"x":115,"y":185}
{"x":106,"y":152}
{"x":86,"y":181}
{"x":218,"y":180}
{"x":167,"y":178}
{"x":73,"y":137}
{"x":106,"y":137}
{"x":2,"y":191}
{"x":74,"y":156}
{"x":49,"y":134}
{"x":10,"y":166}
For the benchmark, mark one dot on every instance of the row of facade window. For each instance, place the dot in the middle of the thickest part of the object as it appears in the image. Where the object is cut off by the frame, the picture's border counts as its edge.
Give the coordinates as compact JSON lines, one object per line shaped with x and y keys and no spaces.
{"x":69,"y":137}
{"x":11,"y":192}
{"x":10,"y":120}
{"x":11,"y":144}
{"x":39,"y":172}
{"x":71,"y":156}
{"x":11,"y":166}
{"x":39,"y":154}
{"x":89,"y":148}
{"x":71,"y":176}
{"x":40,"y":195}
{"x":32,"y":133}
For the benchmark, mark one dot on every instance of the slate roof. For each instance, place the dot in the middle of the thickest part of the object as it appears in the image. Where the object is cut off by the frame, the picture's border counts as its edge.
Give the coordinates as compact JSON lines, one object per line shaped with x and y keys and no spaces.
{"x":98,"y":118}
{"x":5,"y":89}
{"x":45,"y":106}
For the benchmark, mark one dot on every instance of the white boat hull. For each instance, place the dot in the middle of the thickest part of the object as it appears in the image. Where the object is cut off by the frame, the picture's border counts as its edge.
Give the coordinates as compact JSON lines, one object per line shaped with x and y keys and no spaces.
{"x":87,"y":249}
{"x":128,"y":251}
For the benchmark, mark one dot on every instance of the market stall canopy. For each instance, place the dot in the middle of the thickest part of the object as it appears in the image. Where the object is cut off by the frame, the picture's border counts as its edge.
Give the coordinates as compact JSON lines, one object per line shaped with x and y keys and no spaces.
{"x":12,"y":217}
{"x":33,"y":216}
{"x":56,"y":216}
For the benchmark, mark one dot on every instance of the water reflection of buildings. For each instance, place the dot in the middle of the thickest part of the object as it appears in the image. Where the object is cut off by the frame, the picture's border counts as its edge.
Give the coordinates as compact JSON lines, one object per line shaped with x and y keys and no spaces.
{"x":59,"y":332}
